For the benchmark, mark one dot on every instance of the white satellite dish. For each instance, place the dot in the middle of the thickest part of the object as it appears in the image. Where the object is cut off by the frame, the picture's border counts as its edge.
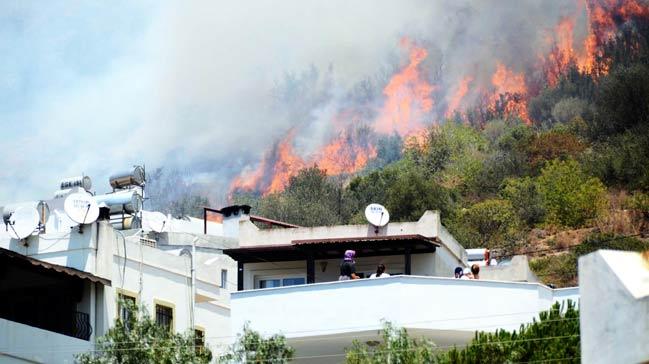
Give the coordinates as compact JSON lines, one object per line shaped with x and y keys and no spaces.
{"x":377,"y":215}
{"x":156,"y":221}
{"x":81,"y":208}
{"x":22,"y":222}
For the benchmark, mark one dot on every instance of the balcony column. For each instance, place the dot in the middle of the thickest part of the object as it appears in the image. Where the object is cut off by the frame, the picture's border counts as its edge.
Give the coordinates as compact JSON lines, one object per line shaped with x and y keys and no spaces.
{"x":407,"y":262}
{"x":239,"y":276}
{"x":310,"y":269}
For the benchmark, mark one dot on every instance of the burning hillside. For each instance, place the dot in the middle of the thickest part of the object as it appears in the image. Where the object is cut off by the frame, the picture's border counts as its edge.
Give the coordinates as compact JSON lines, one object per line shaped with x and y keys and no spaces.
{"x":433,"y":83}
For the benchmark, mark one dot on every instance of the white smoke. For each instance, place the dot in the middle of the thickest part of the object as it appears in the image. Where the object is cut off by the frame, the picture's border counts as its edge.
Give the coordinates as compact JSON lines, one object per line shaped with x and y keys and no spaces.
{"x":191,"y":87}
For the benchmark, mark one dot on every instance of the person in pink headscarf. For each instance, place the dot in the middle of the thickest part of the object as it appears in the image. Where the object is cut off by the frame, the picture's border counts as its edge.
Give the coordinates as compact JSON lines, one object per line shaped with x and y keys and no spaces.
{"x":348,"y":267}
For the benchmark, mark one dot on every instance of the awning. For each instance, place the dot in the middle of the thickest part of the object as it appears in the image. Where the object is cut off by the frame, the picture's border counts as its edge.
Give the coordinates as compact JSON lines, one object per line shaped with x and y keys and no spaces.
{"x":55,"y":267}
{"x":333,"y":248}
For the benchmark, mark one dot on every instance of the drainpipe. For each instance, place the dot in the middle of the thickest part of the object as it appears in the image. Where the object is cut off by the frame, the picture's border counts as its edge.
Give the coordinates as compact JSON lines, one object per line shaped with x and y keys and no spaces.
{"x":193,"y":322}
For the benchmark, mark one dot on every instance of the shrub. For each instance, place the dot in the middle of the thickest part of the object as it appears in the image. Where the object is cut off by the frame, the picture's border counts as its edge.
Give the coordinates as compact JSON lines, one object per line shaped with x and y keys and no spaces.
{"x":570,"y":197}
{"x":491,"y":223}
{"x":524,"y":196}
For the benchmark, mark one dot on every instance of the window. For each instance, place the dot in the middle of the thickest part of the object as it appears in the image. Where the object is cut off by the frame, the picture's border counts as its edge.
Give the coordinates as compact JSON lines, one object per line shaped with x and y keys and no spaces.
{"x":224,"y":277}
{"x":164,"y":316}
{"x":124,"y":301}
{"x":199,"y":340}
{"x":280,"y":282}
{"x":269,"y":283}
{"x":293,"y":281}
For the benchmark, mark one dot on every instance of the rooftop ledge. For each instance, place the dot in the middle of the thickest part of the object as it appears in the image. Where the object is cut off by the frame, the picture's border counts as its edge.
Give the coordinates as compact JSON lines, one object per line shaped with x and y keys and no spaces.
{"x":408,"y":279}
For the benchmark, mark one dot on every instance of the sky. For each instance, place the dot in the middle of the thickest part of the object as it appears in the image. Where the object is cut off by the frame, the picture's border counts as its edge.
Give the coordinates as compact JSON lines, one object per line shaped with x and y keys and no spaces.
{"x":95,"y":87}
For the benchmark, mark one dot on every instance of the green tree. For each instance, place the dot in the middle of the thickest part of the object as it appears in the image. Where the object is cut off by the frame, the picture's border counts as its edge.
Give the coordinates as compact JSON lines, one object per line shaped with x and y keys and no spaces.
{"x":622,"y":101}
{"x":554,"y":337}
{"x":396,"y":346}
{"x":570,"y":197}
{"x":251,"y":347}
{"x":310,"y":199}
{"x":411,"y":194}
{"x":523,"y":194}
{"x":139,"y":339}
{"x":490,"y":223}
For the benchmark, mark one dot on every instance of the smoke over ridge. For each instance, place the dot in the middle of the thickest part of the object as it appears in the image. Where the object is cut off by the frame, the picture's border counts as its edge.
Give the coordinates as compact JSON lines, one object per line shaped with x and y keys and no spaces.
{"x":211,"y":88}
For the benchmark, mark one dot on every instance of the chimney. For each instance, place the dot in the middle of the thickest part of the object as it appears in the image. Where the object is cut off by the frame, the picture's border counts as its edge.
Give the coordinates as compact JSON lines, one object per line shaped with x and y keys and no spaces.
{"x":231,"y":217}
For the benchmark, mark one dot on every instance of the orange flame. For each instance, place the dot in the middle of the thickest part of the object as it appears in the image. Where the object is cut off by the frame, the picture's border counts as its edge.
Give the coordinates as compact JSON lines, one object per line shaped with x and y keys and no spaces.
{"x":458,"y":95}
{"x":408,"y":96}
{"x":510,"y":86}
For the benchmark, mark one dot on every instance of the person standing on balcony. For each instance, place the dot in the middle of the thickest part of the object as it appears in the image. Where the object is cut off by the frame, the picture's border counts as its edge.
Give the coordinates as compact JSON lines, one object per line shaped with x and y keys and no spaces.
{"x":475,"y":270}
{"x":348,"y":267}
{"x":380,"y":272}
{"x":459,"y":272}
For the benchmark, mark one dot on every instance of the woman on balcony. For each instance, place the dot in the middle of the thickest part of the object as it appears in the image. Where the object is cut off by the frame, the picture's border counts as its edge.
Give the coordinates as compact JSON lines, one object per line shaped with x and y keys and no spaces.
{"x":348,"y":267}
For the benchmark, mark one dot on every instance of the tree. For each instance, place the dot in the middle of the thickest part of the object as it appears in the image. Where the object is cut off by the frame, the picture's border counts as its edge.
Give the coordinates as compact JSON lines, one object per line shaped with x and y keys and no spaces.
{"x":490,"y":223}
{"x":310,"y":199}
{"x":251,"y":347}
{"x":523,"y":194}
{"x":570,"y":197}
{"x":553,"y":338}
{"x":622,"y":101}
{"x":396,"y":347}
{"x":139,"y":339}
{"x":411,"y":194}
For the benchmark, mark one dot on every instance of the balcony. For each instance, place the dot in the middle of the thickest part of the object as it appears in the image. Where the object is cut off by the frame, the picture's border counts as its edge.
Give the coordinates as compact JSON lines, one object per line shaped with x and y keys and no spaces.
{"x":446,"y":310}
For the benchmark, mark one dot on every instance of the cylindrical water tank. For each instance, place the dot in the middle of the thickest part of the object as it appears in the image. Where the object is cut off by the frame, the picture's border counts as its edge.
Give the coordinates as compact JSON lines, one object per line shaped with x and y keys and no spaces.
{"x":130,"y":201}
{"x":133,"y":177}
{"x":79,"y":181}
{"x":62,"y":193}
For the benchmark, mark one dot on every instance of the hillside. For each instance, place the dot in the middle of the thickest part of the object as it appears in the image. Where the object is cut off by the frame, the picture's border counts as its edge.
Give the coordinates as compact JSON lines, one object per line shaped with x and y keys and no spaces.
{"x":577,"y":172}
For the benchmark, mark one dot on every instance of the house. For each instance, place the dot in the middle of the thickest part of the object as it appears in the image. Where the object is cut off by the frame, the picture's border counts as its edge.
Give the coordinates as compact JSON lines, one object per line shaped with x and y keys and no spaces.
{"x":614,"y":307}
{"x":288,"y":283}
{"x":61,"y":283}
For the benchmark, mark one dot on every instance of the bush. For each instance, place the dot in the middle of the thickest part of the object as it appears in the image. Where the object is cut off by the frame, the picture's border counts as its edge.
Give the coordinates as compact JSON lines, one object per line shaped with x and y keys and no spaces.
{"x":568,"y":109}
{"x":570,"y":197}
{"x":139,"y":339}
{"x":524,"y":196}
{"x":553,"y":338}
{"x":251,"y":347}
{"x":491,"y":223}
{"x":396,"y":347}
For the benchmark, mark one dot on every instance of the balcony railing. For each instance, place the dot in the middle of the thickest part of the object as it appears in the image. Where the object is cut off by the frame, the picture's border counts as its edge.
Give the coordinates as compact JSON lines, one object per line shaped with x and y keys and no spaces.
{"x":82,"y":328}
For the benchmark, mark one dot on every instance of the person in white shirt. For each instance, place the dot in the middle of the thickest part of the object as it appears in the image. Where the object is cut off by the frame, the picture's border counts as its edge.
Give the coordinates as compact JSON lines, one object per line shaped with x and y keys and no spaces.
{"x":380,"y":272}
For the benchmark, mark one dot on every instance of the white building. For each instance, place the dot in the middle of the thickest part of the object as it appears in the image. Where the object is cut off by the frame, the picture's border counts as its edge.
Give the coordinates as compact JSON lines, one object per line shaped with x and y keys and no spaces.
{"x":614,"y":308}
{"x":288,"y":283}
{"x":59,"y":286}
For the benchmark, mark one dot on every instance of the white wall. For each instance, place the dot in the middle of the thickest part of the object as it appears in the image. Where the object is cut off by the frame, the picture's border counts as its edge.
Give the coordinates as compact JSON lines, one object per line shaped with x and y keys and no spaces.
{"x":441,"y":304}
{"x":26,"y":344}
{"x":614,"y":309}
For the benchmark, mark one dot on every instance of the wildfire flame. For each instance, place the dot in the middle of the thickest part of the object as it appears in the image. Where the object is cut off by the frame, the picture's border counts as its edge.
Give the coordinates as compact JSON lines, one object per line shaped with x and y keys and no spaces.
{"x":408,"y":96}
{"x":408,"y":103}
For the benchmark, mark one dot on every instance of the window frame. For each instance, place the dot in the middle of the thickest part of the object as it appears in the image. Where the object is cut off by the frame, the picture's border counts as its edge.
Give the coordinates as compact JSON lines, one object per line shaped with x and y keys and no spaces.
{"x":224,"y":278}
{"x":200,"y":329}
{"x":166,"y":304}
{"x":280,"y":277}
{"x":126,"y":293}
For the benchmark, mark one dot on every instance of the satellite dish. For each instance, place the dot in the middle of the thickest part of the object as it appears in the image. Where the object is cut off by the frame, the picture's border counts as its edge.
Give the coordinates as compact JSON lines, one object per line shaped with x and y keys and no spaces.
{"x":156,"y":221}
{"x":81,"y":208}
{"x":377,"y":215}
{"x":22,"y":222}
